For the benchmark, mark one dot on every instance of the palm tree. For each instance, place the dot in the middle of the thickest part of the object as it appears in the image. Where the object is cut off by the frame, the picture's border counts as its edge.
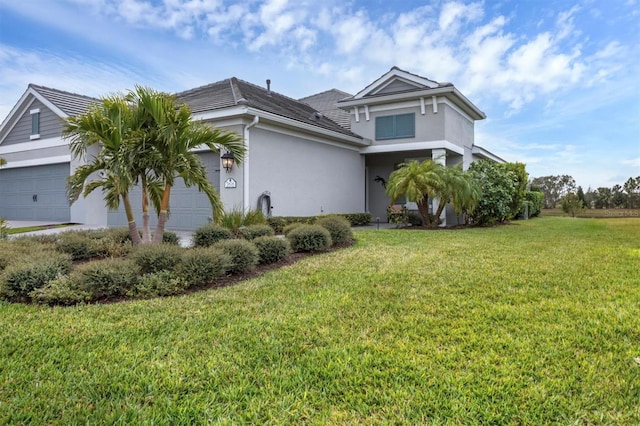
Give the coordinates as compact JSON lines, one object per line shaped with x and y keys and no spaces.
{"x":417,"y":182}
{"x":111,"y":125}
{"x":459,"y":189}
{"x":174,"y":137}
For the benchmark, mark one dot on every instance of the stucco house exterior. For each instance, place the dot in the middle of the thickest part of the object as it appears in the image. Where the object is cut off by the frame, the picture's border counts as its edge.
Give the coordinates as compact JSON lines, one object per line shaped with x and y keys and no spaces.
{"x":326,"y":153}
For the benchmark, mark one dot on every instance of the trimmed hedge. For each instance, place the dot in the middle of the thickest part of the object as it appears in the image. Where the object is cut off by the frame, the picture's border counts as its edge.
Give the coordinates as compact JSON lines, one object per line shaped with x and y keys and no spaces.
{"x":254,"y":231}
{"x":272,"y":249}
{"x":201,"y":266}
{"x":278,"y":223}
{"x":309,"y":238}
{"x":18,"y":280}
{"x":208,"y":235}
{"x":66,"y":290}
{"x":290,"y":227}
{"x":152,"y":258}
{"x":339,"y":228}
{"x":107,"y":278}
{"x":163,"y":283}
{"x":243,"y":254}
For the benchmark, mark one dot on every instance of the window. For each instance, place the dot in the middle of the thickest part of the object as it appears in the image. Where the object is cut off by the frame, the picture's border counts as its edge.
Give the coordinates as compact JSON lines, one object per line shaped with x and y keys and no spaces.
{"x":35,"y":123}
{"x":396,"y":126}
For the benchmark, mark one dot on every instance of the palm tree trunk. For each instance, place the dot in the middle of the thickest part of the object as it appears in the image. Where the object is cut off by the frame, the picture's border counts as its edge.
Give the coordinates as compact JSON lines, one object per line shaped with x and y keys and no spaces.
{"x":423,"y":209}
{"x":441,"y":205}
{"x":146,"y":228}
{"x":162,"y":216}
{"x":131,"y":220}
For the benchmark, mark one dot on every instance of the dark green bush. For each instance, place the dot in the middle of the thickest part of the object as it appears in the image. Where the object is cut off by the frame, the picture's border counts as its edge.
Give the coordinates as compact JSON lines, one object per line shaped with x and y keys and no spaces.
{"x":169,"y":237}
{"x":277,"y":223}
{"x":77,"y":244}
{"x":152,"y":258}
{"x":243,"y":254}
{"x":210,"y":234}
{"x":20,"y":250}
{"x":272,"y":249}
{"x":309,"y":238}
{"x":339,"y":228}
{"x":20,"y":279}
{"x":66,"y":290}
{"x":163,"y":283}
{"x":107,"y":278}
{"x":290,"y":227}
{"x":201,"y":266}
{"x":255,"y":231}
{"x":414,"y":218}
{"x":359,"y":219}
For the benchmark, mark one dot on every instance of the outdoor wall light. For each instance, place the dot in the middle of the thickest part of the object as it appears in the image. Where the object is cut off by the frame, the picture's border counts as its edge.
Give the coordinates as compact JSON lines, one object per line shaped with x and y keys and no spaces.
{"x":227,"y":161}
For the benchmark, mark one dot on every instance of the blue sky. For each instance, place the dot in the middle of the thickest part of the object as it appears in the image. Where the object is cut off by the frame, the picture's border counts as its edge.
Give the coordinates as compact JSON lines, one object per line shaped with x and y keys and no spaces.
{"x":559,"y":80}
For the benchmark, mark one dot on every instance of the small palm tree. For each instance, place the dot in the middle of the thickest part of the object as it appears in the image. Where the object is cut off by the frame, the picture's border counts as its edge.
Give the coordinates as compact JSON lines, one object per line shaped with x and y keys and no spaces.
{"x":418,"y":182}
{"x":109,"y":125}
{"x":175,"y":136}
{"x":458,"y":188}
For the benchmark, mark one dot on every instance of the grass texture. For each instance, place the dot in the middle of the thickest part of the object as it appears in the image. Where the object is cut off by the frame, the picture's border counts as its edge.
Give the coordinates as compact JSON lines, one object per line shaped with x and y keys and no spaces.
{"x":531,"y":323}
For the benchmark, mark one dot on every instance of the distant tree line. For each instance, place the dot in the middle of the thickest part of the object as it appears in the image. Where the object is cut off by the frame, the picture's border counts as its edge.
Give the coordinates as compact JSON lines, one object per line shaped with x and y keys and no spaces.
{"x":561,"y":190}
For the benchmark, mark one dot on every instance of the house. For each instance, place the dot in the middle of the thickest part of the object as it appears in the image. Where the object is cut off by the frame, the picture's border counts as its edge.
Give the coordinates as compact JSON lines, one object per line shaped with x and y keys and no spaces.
{"x":326,"y":153}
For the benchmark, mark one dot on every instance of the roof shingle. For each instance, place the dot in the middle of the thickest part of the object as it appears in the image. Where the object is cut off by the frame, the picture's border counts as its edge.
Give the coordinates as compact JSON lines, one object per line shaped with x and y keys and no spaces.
{"x":70,"y":103}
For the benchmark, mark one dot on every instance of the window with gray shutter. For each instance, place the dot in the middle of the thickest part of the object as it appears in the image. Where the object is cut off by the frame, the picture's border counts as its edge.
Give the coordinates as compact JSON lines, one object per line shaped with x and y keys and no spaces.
{"x":396,"y":126}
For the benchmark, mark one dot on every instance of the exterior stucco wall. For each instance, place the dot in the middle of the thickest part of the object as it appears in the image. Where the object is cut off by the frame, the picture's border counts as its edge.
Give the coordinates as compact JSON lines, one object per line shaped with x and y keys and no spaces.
{"x":428,"y":127}
{"x":41,"y":153}
{"x":305,"y":177}
{"x":50,"y":125}
{"x":458,"y":129}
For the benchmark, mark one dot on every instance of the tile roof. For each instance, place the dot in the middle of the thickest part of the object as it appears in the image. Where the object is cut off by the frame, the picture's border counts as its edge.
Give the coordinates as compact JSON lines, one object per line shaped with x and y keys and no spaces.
{"x":233,"y":92}
{"x":326,"y":103}
{"x":70,"y":103}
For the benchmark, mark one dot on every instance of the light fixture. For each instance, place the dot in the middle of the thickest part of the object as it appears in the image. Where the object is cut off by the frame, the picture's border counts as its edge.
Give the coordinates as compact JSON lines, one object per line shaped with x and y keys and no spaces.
{"x":227,"y":161}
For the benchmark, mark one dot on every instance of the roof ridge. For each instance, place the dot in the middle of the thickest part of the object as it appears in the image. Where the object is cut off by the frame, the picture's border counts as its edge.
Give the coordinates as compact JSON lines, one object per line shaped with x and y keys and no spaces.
{"x":37,"y":86}
{"x":326,"y":91}
{"x":204,"y":86}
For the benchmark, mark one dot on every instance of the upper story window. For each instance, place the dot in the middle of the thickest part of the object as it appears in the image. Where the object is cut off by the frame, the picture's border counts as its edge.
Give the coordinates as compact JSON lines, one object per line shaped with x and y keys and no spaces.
{"x":35,"y":123}
{"x":396,"y":126}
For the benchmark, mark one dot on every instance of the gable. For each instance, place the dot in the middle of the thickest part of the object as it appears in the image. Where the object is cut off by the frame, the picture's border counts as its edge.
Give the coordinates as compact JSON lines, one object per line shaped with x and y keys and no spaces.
{"x":396,"y":80}
{"x":397,"y":85}
{"x":50,"y":123}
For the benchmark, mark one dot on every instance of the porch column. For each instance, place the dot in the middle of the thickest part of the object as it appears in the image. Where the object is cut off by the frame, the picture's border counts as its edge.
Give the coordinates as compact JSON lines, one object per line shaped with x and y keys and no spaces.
{"x":439,"y":156}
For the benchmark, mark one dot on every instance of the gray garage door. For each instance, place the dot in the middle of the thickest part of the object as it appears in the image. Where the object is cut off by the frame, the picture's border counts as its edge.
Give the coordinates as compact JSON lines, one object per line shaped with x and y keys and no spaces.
{"x":35,"y":193}
{"x":190,"y":208}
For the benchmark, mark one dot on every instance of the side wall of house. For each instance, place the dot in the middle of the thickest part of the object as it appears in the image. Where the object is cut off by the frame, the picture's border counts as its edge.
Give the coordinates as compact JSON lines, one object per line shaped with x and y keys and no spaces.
{"x":304,"y":175}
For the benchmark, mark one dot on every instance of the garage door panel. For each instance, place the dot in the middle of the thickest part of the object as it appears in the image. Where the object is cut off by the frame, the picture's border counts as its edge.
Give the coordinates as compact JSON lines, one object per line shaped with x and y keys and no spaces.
{"x":35,"y":193}
{"x":189,"y":208}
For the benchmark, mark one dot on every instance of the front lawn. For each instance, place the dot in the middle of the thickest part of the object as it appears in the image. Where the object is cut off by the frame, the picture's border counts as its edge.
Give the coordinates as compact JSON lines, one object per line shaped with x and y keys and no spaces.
{"x":532,"y":323}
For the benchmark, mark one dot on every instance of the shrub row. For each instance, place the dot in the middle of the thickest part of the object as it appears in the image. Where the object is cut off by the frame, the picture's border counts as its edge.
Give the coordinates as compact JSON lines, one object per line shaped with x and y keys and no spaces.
{"x":355,"y":219}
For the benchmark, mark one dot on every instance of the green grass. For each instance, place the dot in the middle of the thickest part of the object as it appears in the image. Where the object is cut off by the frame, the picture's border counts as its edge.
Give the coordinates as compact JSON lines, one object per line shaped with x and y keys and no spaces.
{"x":532,"y":323}
{"x":12,"y":231}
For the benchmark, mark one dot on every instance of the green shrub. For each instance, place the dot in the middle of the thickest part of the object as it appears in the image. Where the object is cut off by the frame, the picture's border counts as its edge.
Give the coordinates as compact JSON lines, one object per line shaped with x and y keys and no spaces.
{"x":38,"y":238}
{"x":163,"y":283}
{"x":172,"y":238}
{"x":77,"y":244}
{"x":255,"y":231}
{"x":339,"y":228}
{"x":18,"y":280}
{"x":109,"y":246}
{"x":65,"y":290}
{"x":237,"y":218}
{"x":210,"y":234}
{"x":309,"y":238}
{"x":108,"y":278}
{"x":201,"y":266}
{"x":243,"y":254}
{"x":152,"y":258}
{"x":121,"y":234}
{"x":414,"y":218}
{"x":398,"y":214}
{"x":359,"y":219}
{"x":277,"y":223}
{"x":290,"y":227}
{"x":272,"y":249}
{"x":21,"y":250}
{"x":4,"y":229}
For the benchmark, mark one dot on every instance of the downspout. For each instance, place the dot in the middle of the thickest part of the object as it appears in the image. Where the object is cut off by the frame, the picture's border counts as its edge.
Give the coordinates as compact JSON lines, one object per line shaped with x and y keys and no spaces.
{"x":245,"y":167}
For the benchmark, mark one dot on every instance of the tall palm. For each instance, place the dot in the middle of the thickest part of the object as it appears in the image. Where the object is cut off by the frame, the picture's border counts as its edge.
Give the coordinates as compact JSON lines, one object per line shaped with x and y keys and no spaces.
{"x":109,"y":125}
{"x":418,"y":182}
{"x":459,"y":189}
{"x":176,"y":136}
